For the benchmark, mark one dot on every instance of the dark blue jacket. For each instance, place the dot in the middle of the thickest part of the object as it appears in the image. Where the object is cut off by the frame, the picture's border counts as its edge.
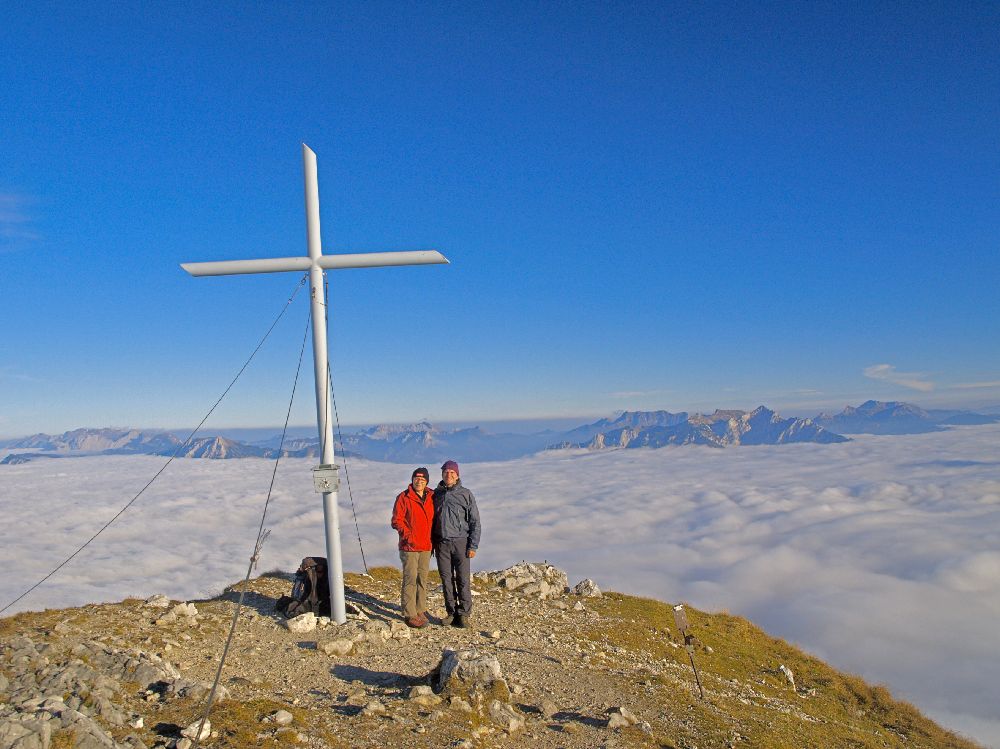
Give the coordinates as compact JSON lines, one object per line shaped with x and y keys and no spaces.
{"x":456,"y":514}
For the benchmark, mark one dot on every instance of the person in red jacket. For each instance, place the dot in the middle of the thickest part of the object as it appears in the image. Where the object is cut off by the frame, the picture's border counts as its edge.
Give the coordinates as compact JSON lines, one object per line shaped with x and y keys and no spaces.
{"x":412,"y":516}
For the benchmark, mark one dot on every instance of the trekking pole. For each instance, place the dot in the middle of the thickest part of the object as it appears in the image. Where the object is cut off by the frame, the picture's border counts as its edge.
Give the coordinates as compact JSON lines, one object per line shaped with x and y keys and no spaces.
{"x":680,"y":619}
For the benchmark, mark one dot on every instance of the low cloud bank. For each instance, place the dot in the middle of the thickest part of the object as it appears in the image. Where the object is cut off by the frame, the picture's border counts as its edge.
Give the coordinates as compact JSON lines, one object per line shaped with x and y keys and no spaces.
{"x":878,"y":555}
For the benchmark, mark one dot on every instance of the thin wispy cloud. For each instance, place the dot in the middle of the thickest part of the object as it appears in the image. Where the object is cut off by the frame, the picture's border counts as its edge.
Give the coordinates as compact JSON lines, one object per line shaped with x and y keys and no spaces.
{"x":888,"y":373}
{"x":15,"y":222}
{"x":624,"y":394}
{"x":8,"y":372}
{"x":977,"y":385}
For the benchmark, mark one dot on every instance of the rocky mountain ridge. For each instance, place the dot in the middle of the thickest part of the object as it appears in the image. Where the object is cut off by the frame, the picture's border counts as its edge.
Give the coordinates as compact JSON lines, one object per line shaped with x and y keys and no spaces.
{"x":422,"y":442}
{"x":544,"y":665}
{"x":762,"y":426}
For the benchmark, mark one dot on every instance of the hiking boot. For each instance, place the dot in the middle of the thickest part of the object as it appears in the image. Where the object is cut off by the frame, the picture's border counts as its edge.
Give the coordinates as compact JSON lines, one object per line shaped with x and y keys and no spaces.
{"x":422,"y":616}
{"x":462,"y":620}
{"x":415,"y":621}
{"x":448,"y":620}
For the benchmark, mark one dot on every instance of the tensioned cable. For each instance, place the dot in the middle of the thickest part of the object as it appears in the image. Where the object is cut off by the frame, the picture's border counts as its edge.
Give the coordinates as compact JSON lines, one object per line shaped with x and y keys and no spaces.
{"x":261,"y":538}
{"x":347,"y":473}
{"x":340,"y":436}
{"x":171,"y":459}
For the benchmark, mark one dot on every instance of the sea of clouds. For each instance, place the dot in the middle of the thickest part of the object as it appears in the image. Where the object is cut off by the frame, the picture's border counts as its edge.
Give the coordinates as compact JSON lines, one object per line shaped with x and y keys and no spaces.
{"x":880,"y":555}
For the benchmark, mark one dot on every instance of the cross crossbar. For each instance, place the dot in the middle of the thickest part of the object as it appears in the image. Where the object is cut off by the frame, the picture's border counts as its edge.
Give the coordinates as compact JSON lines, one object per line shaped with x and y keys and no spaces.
{"x":326,"y":262}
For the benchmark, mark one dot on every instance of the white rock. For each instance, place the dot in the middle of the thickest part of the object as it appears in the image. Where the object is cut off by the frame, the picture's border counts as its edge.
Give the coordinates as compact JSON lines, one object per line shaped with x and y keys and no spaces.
{"x":282,"y":717}
{"x":374,"y":708}
{"x":185,"y":609}
{"x":587,"y":588}
{"x":301,"y":623}
{"x":159,"y":601}
{"x":337,"y":647}
{"x":399,"y":631}
{"x":192,"y":730}
{"x":621,"y":717}
{"x":788,"y":674}
{"x":505,"y":716}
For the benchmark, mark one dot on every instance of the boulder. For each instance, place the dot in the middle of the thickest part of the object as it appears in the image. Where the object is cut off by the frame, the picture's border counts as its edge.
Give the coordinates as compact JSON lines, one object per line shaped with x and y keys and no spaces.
{"x":302,"y":623}
{"x":424,"y":695}
{"x":337,"y":647}
{"x":534,"y":579}
{"x":587,"y":588}
{"x":471,"y":675}
{"x":191,"y":732}
{"x":505,"y":716}
{"x":621,"y":717}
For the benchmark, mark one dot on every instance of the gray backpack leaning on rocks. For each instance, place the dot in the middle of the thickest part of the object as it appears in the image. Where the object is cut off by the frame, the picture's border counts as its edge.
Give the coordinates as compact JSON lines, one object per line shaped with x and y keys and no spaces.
{"x":310,"y":591}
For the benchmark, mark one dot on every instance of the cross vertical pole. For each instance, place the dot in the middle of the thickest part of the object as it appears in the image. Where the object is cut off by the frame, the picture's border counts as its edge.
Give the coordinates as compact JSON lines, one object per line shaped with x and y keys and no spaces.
{"x":331,"y":512}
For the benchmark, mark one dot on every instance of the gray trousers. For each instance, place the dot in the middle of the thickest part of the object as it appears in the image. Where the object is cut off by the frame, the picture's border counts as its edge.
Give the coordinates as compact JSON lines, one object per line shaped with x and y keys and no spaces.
{"x":456,"y":574}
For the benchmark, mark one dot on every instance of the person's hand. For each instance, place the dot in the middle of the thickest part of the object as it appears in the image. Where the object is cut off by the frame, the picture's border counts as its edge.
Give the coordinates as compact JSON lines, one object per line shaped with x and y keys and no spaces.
{"x":470,"y":553}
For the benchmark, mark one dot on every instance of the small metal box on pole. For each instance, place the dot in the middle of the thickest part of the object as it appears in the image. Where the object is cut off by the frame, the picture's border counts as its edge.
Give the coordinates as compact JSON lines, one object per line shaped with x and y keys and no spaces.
{"x":680,"y":619}
{"x":326,"y":478}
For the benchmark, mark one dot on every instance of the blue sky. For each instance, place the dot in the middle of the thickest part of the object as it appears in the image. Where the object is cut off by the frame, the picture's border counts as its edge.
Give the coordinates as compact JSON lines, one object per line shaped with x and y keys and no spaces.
{"x":646,"y":206}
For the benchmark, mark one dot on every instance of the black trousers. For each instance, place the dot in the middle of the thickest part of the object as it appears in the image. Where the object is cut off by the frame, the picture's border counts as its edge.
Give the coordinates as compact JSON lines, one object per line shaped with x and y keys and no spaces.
{"x":456,"y":574}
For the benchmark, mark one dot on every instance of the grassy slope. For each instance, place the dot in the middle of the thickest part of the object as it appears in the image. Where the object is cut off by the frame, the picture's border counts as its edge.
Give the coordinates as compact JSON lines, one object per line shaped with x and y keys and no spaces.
{"x":748,"y":701}
{"x":746,"y":694}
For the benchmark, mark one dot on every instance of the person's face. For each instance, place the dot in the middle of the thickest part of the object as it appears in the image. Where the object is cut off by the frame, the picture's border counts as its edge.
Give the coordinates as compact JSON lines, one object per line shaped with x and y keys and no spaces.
{"x":419,"y":483}
{"x":450,"y":477}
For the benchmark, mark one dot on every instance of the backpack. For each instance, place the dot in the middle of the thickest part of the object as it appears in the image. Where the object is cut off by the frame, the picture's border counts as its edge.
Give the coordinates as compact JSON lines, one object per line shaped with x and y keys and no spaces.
{"x":310,"y":591}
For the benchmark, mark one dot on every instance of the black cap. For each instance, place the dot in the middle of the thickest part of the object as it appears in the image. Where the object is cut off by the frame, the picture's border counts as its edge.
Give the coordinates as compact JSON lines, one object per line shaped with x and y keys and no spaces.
{"x":421,"y":472}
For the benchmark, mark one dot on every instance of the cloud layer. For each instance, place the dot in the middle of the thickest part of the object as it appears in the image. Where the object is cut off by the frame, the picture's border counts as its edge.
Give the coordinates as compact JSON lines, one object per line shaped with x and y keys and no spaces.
{"x":879,"y":555}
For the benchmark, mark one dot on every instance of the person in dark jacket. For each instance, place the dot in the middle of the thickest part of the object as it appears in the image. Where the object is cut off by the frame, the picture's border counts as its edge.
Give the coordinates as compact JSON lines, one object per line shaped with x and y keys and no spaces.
{"x":455,"y":533}
{"x":412,"y":515}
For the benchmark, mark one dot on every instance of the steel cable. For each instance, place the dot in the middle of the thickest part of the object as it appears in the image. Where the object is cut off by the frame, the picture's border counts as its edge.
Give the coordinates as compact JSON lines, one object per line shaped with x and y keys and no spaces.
{"x":171,"y":459}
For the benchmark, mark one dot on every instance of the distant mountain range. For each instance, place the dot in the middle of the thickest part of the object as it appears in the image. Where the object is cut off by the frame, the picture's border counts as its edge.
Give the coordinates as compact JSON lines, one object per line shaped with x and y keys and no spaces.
{"x":424,"y":443}
{"x":877,"y":417}
{"x":762,"y":426}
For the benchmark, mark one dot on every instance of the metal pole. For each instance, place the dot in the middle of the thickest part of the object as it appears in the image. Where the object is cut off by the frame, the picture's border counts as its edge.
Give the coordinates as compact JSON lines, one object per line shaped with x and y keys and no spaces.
{"x":331,"y":516}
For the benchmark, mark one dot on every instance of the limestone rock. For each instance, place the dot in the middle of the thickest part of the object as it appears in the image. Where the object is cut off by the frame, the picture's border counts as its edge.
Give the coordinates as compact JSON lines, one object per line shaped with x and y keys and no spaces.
{"x":505,"y":716}
{"x":470,"y":674}
{"x":547,"y":708}
{"x":424,"y":695}
{"x":587,"y":588}
{"x":191,"y":731}
{"x":302,"y":623}
{"x":530,"y":579}
{"x":621,"y":717}
{"x":375,"y":707}
{"x":337,"y":647}
{"x":158,"y":601}
{"x":399,"y":631}
{"x":282,"y":717}
{"x":789,"y":676}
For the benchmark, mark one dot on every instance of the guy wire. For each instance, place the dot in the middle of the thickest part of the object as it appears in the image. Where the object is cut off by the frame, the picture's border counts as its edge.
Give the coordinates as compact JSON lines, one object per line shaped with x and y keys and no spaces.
{"x":261,"y":537}
{"x":170,"y":460}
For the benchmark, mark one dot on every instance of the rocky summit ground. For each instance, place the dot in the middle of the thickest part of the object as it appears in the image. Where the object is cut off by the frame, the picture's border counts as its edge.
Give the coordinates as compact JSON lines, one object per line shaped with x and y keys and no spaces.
{"x":541,"y":666}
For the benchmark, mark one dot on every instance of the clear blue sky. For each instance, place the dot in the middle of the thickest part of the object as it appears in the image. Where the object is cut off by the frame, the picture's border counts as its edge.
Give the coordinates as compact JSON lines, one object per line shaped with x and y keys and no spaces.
{"x":646,"y":205}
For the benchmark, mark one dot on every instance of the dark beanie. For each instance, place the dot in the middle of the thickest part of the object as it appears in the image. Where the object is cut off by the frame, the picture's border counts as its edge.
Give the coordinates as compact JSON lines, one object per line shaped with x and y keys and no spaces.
{"x":421,"y":472}
{"x":451,"y":465}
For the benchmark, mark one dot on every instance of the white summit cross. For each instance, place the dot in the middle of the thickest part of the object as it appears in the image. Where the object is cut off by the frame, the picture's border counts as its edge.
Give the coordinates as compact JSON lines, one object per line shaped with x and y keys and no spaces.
{"x":316,"y":262}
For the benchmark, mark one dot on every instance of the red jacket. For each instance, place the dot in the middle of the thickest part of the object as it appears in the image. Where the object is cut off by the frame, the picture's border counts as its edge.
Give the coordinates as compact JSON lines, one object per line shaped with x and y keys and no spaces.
{"x":412,"y":519}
